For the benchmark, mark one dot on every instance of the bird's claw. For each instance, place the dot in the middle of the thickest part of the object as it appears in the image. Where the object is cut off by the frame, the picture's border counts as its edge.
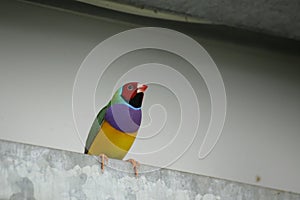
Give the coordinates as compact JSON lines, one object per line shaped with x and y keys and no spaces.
{"x":135,"y":165}
{"x":104,"y":160}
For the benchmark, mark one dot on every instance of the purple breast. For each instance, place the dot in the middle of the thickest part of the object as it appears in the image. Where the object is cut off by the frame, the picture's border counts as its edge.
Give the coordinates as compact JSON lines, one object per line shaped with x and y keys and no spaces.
{"x":123,"y":118}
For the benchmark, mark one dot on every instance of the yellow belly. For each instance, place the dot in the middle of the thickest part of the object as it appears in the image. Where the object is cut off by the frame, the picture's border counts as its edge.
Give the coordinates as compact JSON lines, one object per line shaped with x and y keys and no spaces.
{"x":112,"y":142}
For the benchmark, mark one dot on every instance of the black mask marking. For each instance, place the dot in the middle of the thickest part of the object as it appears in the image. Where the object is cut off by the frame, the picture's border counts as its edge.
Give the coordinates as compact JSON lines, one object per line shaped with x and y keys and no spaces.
{"x":137,"y":100}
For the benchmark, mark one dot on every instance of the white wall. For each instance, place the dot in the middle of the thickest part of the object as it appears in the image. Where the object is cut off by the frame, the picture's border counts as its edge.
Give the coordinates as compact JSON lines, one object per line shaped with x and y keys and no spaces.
{"x":41,"y":50}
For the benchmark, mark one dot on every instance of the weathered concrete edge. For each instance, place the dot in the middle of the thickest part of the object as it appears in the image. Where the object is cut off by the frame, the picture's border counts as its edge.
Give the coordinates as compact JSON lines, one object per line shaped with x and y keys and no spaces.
{"x":28,"y":171}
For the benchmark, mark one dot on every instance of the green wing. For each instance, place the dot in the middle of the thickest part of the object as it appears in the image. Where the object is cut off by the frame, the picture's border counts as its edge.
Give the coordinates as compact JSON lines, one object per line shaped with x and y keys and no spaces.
{"x":95,"y":128}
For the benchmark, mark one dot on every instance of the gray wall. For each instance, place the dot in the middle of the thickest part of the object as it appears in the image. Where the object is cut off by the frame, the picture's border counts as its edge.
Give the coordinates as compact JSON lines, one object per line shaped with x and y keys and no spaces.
{"x":42,"y":49}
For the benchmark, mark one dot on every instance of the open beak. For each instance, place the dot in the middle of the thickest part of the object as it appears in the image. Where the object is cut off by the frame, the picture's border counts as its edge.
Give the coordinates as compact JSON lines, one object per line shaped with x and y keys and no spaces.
{"x":141,"y":88}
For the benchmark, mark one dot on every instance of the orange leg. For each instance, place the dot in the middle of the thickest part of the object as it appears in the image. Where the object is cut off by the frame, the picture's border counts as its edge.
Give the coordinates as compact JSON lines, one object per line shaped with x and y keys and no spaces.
{"x":135,"y":165}
{"x":104,"y":160}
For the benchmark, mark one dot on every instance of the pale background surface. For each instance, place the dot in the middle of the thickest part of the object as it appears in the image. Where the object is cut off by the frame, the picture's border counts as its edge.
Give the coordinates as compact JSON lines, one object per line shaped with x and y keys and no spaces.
{"x":42,"y":49}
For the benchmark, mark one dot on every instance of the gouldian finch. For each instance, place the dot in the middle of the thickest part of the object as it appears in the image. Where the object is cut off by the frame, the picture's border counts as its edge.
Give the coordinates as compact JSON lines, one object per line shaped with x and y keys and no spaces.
{"x":116,"y":125}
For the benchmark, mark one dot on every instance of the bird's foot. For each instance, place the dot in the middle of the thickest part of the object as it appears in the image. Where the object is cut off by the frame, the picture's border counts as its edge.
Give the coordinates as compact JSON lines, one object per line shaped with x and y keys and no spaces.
{"x":104,"y":160}
{"x":135,"y":165}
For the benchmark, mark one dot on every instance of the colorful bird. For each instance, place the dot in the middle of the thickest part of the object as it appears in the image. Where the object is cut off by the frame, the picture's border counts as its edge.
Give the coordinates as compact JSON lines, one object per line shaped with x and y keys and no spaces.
{"x":116,"y":125}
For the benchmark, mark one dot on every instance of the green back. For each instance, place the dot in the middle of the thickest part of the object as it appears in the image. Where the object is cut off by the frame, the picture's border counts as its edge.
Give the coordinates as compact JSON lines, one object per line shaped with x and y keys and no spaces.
{"x":95,"y":127}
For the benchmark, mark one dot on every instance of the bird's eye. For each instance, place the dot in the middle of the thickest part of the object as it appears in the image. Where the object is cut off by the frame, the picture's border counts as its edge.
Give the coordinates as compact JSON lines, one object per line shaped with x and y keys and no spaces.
{"x":129,"y":87}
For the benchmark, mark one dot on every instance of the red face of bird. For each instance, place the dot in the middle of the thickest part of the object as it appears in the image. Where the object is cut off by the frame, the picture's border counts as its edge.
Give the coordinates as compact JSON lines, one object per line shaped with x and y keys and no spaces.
{"x":133,"y":93}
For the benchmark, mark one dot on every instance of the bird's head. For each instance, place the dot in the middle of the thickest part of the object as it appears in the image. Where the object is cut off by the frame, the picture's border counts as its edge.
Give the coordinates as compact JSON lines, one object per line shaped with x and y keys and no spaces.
{"x":131,"y":93}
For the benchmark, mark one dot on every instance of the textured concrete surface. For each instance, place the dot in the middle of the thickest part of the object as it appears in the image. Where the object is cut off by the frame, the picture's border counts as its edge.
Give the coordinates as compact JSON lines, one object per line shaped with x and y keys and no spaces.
{"x":30,"y":172}
{"x":276,"y":17}
{"x":273,"y":17}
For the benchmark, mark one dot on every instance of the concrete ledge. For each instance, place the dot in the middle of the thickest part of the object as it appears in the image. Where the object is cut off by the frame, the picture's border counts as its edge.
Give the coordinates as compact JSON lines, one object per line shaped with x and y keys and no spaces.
{"x":32,"y":172}
{"x":270,"y":17}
